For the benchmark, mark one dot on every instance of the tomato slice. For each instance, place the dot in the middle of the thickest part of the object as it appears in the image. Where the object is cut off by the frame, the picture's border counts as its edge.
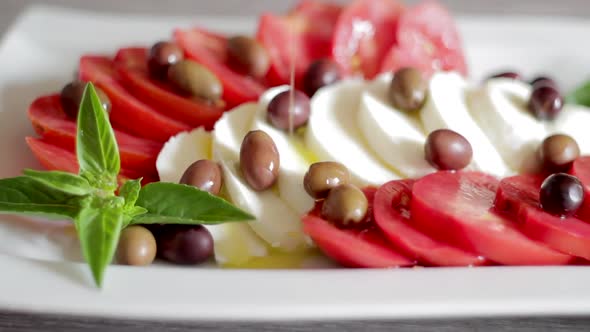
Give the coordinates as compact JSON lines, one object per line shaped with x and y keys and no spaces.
{"x":302,"y":36}
{"x":132,"y":68}
{"x":427,"y":39}
{"x":364,"y":33}
{"x":518,"y":196}
{"x":50,"y":121}
{"x":456,"y":207}
{"x":210,"y":50}
{"x":393,"y":217}
{"x":128,"y":112}
{"x":56,"y":158}
{"x":353,"y":247}
{"x":581,"y":170}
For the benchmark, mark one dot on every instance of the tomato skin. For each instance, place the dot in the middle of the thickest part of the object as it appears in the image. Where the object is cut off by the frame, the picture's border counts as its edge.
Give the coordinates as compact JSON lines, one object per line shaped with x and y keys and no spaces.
{"x":50,"y":121}
{"x":427,"y":39}
{"x":581,"y":170}
{"x":365,"y":32}
{"x":518,"y":197}
{"x":456,"y":207}
{"x":131,"y":64}
{"x":353,"y":247}
{"x":55,"y":158}
{"x":210,"y":50}
{"x":391,"y":209}
{"x":128,"y":112}
{"x":302,"y":36}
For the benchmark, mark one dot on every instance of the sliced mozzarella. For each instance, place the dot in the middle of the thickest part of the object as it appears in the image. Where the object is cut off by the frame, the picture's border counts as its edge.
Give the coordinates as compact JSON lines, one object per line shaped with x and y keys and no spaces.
{"x":234,"y":243}
{"x":180,"y":151}
{"x":499,"y":108}
{"x":293,"y":165}
{"x":573,"y":120}
{"x":446,"y":108}
{"x":333,"y":134}
{"x":276,"y":222}
{"x":396,"y":137}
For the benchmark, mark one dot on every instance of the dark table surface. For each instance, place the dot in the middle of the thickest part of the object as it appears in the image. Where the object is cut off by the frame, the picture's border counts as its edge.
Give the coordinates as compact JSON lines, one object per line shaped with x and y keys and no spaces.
{"x":9,"y":9}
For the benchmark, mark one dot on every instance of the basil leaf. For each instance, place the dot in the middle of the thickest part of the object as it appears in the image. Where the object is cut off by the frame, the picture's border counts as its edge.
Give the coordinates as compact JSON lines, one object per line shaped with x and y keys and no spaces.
{"x":580,"y":95}
{"x":135,"y":211}
{"x":66,"y":182}
{"x":130,"y":191}
{"x":24,"y":195}
{"x":99,"y":227}
{"x":181,"y":204}
{"x":96,"y":147}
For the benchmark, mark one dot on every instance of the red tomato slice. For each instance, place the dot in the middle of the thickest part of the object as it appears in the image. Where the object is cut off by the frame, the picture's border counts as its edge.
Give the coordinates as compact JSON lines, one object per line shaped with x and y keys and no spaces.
{"x":455,"y":207}
{"x":365,"y":31}
{"x":581,"y":170}
{"x":353,"y":247}
{"x":210,"y":50}
{"x":132,"y":68}
{"x":55,"y":127}
{"x":392,"y":215}
{"x":428,"y":40}
{"x":59,"y":159}
{"x":302,"y":36}
{"x":128,"y":113}
{"x":518,"y":196}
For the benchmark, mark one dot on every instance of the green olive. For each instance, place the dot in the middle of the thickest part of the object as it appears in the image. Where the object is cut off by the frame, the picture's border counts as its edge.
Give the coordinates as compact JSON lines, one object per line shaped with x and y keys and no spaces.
{"x":137,"y":246}
{"x":323,"y":176}
{"x":408,"y":90}
{"x":195,"y":79}
{"x":345,"y":206}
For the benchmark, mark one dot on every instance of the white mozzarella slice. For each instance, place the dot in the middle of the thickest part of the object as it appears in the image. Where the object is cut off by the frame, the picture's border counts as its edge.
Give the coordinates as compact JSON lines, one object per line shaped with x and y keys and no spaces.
{"x":181,"y":151}
{"x":333,"y":133}
{"x":499,"y":108}
{"x":446,"y":108}
{"x":396,"y":137}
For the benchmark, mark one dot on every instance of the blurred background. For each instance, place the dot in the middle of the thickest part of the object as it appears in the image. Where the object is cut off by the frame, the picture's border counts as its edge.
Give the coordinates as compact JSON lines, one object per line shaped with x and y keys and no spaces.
{"x":10,"y":8}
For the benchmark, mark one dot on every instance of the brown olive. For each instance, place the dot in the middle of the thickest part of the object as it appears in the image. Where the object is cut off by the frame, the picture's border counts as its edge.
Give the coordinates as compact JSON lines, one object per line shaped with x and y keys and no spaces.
{"x":558,"y":152}
{"x":71,"y":97}
{"x":259,"y":160}
{"x":321,"y":73}
{"x":345,"y":206}
{"x":203,"y":174}
{"x":137,"y":246}
{"x":447,"y":150}
{"x":161,"y":56}
{"x":323,"y":176}
{"x":280,"y":113}
{"x":408,"y":89}
{"x":247,"y":55}
{"x":195,"y":79}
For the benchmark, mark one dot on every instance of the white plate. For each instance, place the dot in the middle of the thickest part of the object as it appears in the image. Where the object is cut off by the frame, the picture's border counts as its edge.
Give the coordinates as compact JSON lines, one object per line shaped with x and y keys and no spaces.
{"x":40,"y":53}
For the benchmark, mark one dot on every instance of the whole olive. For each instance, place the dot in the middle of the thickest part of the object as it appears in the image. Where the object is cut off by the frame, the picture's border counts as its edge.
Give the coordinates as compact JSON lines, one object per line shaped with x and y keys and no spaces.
{"x":323,"y":176}
{"x":319,"y":74}
{"x":447,"y":150}
{"x":195,"y":79}
{"x":408,"y":90}
{"x":247,"y":55}
{"x":561,"y":194}
{"x":259,"y":160}
{"x":71,"y":97}
{"x":280,"y":113}
{"x":544,"y":80}
{"x":345,"y":206}
{"x":137,"y":246}
{"x":507,"y":74}
{"x":161,"y":56}
{"x":558,"y":152}
{"x":185,"y":244}
{"x":203,"y":174}
{"x":545,"y":102}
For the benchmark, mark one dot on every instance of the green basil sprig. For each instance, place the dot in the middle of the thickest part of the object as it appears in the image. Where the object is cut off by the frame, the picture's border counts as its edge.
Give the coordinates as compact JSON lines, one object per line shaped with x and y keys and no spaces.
{"x":580,"y":95}
{"x":89,"y":198}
